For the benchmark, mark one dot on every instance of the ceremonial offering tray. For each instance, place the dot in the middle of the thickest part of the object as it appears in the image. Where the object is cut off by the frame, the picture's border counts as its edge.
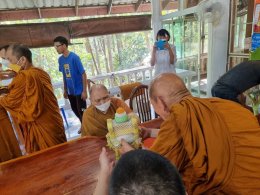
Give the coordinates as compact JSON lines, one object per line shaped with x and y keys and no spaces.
{"x":122,"y":127}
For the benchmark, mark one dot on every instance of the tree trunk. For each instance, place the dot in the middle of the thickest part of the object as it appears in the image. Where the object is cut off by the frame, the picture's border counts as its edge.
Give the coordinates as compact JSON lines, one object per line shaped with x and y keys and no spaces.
{"x":119,"y":47}
{"x":89,"y":50}
{"x":147,"y":40}
{"x":103,"y":47}
{"x":110,"y":52}
{"x":114,"y":47}
{"x":97,"y":55}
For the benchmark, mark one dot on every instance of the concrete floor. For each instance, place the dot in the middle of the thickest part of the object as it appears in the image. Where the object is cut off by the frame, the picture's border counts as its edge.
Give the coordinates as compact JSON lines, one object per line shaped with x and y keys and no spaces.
{"x":74,"y":125}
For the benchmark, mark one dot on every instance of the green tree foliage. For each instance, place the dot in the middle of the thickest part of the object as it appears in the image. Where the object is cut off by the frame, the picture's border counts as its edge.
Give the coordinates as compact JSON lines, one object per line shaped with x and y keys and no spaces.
{"x":132,"y":51}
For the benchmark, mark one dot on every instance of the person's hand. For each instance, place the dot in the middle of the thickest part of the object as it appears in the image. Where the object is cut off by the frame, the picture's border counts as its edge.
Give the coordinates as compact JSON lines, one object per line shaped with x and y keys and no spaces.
{"x":167,"y":45}
{"x":106,"y":163}
{"x":11,"y":73}
{"x":145,"y":132}
{"x":3,"y":91}
{"x":125,"y":147}
{"x":84,"y":95}
{"x":65,"y":95}
{"x":106,"y":166}
{"x":7,"y":74}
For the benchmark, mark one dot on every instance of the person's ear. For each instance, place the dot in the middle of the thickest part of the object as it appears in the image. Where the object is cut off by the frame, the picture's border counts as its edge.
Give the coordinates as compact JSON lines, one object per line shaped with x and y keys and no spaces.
{"x":21,"y":61}
{"x":163,"y":104}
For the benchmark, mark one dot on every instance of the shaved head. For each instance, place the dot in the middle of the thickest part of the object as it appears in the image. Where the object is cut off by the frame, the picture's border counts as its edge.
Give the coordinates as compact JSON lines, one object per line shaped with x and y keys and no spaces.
{"x":99,"y":94}
{"x":97,"y":87}
{"x":168,"y":86}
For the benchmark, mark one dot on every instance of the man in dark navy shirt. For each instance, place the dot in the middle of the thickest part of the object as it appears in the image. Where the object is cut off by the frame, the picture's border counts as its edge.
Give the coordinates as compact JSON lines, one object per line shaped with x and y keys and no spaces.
{"x":74,"y":76}
{"x":237,"y":80}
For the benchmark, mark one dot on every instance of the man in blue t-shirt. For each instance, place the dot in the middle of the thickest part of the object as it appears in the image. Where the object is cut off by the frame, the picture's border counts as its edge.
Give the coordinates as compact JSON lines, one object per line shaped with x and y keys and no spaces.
{"x":74,"y":76}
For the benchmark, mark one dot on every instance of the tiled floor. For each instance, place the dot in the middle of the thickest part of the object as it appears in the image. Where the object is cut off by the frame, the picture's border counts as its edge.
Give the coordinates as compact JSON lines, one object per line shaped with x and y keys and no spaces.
{"x":74,"y":125}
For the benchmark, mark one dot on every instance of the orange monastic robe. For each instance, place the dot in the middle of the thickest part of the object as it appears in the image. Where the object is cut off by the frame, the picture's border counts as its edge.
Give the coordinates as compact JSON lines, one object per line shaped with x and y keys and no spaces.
{"x":215,"y":144}
{"x":9,"y":147}
{"x":94,"y":122}
{"x":32,"y":102}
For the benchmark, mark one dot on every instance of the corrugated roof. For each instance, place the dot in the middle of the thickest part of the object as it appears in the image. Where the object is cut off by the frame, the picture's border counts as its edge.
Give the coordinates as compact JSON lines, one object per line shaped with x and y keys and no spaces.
{"x":37,"y":9}
{"x":33,"y":4}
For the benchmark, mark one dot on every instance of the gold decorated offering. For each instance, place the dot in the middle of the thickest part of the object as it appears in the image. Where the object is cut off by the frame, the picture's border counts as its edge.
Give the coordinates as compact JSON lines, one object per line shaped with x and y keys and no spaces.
{"x":122,"y":127}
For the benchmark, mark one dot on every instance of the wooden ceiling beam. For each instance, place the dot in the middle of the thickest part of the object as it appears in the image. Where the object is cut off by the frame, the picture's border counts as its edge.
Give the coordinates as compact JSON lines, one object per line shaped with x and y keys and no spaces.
{"x":41,"y":34}
{"x":28,"y":14}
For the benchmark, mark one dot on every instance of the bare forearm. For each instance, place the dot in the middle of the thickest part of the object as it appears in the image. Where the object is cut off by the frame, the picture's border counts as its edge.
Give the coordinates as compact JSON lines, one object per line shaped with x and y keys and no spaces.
{"x":84,"y":79}
{"x":102,"y":185}
{"x":153,"y":57}
{"x":64,"y":85}
{"x":172,"y":56}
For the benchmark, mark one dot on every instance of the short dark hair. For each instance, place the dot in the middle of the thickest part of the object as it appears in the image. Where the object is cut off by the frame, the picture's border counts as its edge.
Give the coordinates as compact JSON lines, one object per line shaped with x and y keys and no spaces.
{"x":21,"y":50}
{"x":62,"y":40}
{"x":163,"y":32}
{"x":142,"y":172}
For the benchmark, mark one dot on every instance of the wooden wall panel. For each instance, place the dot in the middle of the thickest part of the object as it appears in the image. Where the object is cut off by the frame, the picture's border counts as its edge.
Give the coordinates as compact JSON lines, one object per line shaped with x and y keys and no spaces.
{"x":42,"y":34}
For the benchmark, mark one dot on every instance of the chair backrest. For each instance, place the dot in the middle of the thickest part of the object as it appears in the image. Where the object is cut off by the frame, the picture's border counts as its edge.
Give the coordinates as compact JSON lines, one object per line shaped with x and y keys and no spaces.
{"x":140,"y":97}
{"x":89,"y":83}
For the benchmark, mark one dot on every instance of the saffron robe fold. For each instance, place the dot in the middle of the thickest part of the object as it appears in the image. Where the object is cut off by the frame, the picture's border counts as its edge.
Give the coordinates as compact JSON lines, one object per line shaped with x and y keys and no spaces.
{"x":32,"y":102}
{"x":214,"y":143}
{"x":127,"y":89}
{"x":9,"y":147}
{"x":94,"y":122}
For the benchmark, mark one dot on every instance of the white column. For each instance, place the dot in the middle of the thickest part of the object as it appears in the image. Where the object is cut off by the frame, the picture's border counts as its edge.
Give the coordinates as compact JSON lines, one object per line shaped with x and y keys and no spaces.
{"x":218,"y":46}
{"x":156,"y":17}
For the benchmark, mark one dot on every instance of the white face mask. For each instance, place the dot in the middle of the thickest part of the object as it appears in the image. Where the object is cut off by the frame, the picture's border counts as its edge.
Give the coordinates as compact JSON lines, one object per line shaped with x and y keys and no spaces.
{"x":163,"y":39}
{"x":104,"y":107}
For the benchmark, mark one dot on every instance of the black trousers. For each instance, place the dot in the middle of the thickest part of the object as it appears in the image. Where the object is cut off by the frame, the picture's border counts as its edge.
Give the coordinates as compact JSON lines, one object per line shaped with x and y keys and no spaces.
{"x":77,"y":105}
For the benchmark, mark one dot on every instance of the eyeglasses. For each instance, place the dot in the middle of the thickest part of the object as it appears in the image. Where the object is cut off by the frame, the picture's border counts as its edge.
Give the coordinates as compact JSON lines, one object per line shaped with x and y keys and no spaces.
{"x":103,"y":98}
{"x":56,"y":46}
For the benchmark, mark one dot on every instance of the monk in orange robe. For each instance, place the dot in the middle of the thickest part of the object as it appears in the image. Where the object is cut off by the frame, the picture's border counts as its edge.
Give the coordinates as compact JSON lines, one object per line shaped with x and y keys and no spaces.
{"x":103,"y":107}
{"x":9,"y":147}
{"x":32,"y":102}
{"x":213,"y":142}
